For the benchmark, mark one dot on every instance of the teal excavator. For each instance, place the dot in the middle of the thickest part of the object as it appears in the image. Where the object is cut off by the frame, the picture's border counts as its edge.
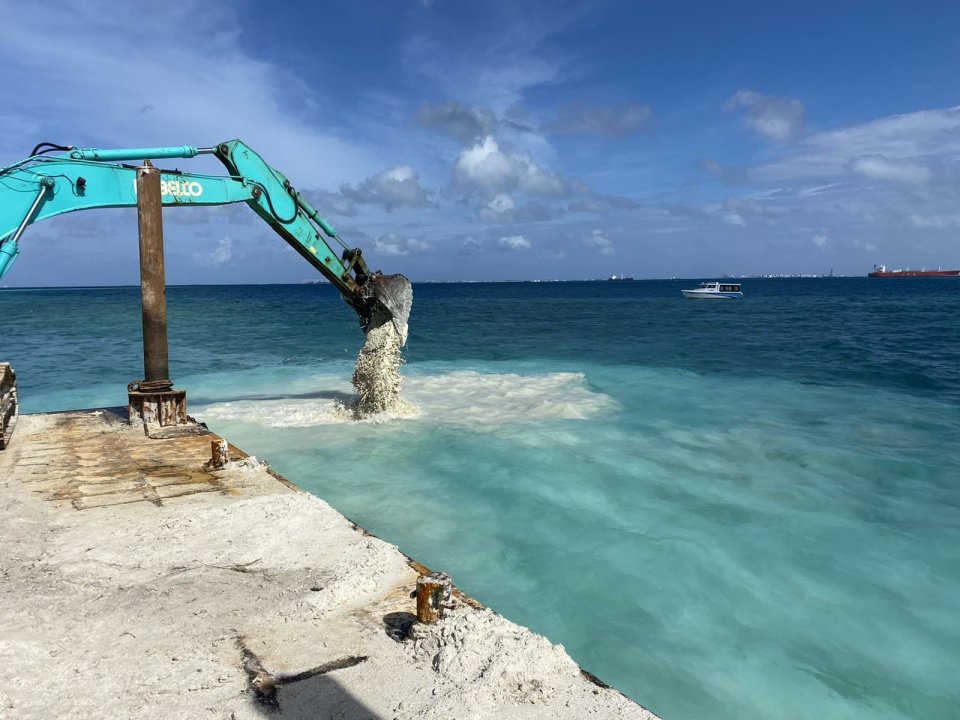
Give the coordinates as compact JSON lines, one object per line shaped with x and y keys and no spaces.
{"x":58,"y":179}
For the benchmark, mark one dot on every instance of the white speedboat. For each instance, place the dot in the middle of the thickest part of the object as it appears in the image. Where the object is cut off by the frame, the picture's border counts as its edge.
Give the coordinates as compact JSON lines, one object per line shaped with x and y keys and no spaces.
{"x":714,"y":291}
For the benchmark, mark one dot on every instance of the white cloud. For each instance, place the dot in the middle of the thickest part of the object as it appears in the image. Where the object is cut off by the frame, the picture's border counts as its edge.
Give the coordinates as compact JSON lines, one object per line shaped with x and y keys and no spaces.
{"x":503,"y":210}
{"x":776,"y":118}
{"x":598,"y":240}
{"x":934,"y":221}
{"x":393,"y":245}
{"x":923,"y":138}
{"x":218,"y":256}
{"x":742,"y":212}
{"x":470,"y":245}
{"x":820,"y":240}
{"x":331,"y":202}
{"x":878,"y":167}
{"x":397,"y":187}
{"x":485,"y":168}
{"x":127,"y":92}
{"x":389,"y":189}
{"x":500,"y":204}
{"x":223,"y":252}
{"x":514,"y":242}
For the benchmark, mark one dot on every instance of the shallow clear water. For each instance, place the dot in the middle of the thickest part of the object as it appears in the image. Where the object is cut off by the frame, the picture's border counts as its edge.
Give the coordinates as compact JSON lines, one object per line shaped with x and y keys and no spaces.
{"x":730,"y":510}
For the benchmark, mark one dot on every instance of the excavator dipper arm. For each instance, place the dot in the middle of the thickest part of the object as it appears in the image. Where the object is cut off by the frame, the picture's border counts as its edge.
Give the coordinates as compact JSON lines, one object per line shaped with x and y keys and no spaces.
{"x":44,"y":186}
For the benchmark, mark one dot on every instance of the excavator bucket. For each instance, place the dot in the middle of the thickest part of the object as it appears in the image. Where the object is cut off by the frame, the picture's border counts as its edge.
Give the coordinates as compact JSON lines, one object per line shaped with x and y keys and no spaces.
{"x":395,"y":293}
{"x":382,"y":299}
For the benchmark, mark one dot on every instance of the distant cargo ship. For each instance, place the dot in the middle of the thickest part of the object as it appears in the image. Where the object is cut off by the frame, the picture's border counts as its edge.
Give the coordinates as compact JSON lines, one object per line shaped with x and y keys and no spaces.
{"x":880,"y":271}
{"x":619,"y":277}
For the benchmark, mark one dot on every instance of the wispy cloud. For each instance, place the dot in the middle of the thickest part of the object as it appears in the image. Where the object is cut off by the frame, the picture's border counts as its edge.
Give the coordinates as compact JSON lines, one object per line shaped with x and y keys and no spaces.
{"x":497,"y":62}
{"x":502,"y":209}
{"x":464,"y":123}
{"x":481,"y":133}
{"x":470,"y":245}
{"x":926,"y":137}
{"x":617,"y":120}
{"x":227,"y":93}
{"x":878,"y":167}
{"x":599,"y":242}
{"x":514,"y":242}
{"x":934,"y":221}
{"x":731,"y":175}
{"x":392,"y":245}
{"x":389,"y":189}
{"x":776,"y":118}
{"x":220,"y":255}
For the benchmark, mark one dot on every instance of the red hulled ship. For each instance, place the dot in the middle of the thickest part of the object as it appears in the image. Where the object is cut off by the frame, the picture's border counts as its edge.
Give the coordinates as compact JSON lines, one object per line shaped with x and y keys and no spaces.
{"x":880,"y":271}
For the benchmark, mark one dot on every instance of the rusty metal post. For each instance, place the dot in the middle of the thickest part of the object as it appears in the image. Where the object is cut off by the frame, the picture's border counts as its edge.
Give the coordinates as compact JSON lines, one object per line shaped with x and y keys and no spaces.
{"x":153,"y":399}
{"x":153,"y":286}
{"x":9,"y":406}
{"x":219,"y":454}
{"x":434,"y":592}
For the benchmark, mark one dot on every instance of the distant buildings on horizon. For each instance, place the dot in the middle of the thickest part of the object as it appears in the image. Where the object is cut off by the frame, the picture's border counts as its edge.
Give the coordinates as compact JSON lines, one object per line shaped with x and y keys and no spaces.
{"x":691,"y":278}
{"x":620,"y":278}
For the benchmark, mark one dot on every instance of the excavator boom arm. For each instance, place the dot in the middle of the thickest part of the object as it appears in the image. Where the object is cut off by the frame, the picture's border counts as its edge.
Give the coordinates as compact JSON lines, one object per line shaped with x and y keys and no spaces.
{"x":44,"y":186}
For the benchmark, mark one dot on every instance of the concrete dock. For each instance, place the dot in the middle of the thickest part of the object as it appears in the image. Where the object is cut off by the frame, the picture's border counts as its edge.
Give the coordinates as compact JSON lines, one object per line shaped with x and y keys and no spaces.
{"x":136,"y":583}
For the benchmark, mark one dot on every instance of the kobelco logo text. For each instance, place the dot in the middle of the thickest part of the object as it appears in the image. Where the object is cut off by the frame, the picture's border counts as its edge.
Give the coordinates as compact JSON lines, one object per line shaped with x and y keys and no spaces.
{"x":177,"y":188}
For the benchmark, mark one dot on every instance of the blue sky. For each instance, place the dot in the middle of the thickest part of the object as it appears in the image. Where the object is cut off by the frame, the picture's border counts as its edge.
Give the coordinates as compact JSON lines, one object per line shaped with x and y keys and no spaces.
{"x":503,"y":140}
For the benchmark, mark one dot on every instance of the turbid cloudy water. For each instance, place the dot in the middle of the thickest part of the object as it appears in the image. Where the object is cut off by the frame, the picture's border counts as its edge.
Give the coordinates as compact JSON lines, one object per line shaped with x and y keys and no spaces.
{"x":729,"y":510}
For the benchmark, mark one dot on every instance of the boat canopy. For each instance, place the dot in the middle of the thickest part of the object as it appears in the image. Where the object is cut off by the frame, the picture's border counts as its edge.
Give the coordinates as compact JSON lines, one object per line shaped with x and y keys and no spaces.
{"x":722,"y":287}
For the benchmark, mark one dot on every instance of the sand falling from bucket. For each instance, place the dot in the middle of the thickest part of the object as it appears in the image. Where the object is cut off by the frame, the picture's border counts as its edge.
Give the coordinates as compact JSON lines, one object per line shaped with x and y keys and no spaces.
{"x":376,"y":374}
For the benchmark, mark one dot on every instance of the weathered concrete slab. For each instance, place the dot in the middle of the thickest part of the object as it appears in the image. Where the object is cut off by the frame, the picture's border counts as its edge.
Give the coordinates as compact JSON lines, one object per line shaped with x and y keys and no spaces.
{"x":136,"y":584}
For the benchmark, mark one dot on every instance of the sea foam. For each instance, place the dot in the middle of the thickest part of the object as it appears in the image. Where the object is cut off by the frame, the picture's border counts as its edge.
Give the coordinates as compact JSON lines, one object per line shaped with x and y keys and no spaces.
{"x":460,"y":398}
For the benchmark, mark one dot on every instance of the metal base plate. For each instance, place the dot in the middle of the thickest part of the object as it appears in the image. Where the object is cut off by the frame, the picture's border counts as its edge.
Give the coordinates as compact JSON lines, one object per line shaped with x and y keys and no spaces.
{"x":157,"y":402}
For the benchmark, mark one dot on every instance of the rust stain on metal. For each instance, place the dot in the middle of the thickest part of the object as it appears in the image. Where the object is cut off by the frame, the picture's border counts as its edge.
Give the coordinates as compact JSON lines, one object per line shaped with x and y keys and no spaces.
{"x":157,"y":402}
{"x":9,"y":406}
{"x":434,"y":596}
{"x":219,"y":455}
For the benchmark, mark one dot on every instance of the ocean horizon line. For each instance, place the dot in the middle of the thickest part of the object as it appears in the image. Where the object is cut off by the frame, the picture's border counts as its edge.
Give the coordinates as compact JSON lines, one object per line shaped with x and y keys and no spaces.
{"x":690,"y":278}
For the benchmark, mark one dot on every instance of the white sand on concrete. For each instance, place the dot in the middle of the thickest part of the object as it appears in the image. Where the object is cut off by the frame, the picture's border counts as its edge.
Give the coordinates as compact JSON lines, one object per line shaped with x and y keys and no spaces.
{"x":167,"y":605}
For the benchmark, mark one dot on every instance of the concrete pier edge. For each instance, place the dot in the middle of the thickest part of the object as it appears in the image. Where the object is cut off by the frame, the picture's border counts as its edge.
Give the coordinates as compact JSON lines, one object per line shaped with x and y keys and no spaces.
{"x":122,"y":557}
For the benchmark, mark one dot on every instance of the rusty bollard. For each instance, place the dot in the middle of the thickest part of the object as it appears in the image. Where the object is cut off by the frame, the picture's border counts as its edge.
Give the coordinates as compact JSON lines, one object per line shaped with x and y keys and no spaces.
{"x":9,"y":409}
{"x":219,"y":454}
{"x":433,"y":596}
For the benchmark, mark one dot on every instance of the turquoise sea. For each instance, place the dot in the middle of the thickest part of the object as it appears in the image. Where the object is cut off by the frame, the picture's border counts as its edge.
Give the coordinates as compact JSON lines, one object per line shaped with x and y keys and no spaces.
{"x":744,"y":509}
